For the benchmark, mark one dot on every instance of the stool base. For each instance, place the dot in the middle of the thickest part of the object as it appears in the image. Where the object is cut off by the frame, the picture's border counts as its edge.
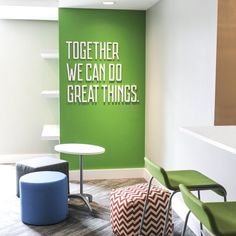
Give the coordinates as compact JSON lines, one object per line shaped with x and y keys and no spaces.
{"x":84,"y":197}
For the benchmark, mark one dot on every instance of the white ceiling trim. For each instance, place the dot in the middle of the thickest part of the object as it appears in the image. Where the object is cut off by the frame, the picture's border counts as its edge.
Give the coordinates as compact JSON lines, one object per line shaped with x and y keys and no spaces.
{"x":119,"y":4}
{"x":48,"y":9}
{"x":30,"y":3}
{"x":28,"y":13}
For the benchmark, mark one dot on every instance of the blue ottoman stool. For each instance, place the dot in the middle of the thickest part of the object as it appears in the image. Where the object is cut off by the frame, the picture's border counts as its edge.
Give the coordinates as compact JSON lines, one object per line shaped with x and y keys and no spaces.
{"x":43,"y":197}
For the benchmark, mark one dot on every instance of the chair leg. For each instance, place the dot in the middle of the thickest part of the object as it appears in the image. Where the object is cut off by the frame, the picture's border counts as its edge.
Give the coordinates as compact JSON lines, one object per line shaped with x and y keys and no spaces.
{"x":145,"y":206}
{"x":225,"y":194}
{"x":199,"y":197}
{"x":185,"y":224}
{"x":167,"y":213}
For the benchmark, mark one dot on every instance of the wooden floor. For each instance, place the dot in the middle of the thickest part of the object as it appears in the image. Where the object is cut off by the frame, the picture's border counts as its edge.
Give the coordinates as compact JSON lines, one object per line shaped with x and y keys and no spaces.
{"x":79,"y":223}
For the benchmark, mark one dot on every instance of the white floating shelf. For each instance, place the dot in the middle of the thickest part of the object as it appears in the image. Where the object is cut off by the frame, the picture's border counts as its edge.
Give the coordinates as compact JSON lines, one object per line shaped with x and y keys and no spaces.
{"x":50,"y":93}
{"x":50,"y":132}
{"x":50,"y":54}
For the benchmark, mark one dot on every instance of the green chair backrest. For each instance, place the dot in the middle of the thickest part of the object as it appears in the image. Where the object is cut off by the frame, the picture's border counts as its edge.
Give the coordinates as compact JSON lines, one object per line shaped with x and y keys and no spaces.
{"x":198,"y":208}
{"x":157,"y":172}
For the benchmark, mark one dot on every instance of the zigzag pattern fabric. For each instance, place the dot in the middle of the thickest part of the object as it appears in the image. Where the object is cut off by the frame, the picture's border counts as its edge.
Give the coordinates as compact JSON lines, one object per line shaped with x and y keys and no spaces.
{"x":127,"y":206}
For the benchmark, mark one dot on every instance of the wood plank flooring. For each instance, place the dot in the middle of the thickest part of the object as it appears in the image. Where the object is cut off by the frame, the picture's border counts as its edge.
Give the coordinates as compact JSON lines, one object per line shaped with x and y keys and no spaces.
{"x":79,"y":223}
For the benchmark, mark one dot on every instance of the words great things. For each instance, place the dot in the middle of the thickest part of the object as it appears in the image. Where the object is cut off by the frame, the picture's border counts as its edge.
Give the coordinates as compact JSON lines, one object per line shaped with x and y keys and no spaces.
{"x":92,"y":66}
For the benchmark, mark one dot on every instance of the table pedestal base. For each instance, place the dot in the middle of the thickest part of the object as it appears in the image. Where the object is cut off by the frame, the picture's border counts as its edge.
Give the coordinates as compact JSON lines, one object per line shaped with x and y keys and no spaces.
{"x":84,"y":197}
{"x":80,"y":149}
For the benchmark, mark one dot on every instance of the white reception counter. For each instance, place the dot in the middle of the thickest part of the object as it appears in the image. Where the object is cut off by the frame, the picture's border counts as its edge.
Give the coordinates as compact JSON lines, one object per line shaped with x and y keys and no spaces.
{"x":223,"y":137}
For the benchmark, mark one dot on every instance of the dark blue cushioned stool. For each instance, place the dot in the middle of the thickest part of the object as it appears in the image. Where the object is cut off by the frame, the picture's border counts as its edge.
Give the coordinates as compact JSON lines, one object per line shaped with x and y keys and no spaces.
{"x":44,"y":197}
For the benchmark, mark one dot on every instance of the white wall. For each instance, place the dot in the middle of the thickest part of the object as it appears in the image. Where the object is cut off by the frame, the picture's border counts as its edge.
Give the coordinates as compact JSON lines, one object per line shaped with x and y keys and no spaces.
{"x":23,"y":74}
{"x":180,"y":89}
{"x":180,"y":79}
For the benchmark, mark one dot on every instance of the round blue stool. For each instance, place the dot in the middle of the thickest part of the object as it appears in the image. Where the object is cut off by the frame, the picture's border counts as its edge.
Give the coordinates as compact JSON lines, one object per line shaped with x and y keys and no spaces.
{"x":43,"y":197}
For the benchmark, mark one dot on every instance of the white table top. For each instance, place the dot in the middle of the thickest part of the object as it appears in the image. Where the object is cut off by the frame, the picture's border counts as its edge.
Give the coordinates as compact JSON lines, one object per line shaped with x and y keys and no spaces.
{"x":79,"y":149}
{"x":223,"y":137}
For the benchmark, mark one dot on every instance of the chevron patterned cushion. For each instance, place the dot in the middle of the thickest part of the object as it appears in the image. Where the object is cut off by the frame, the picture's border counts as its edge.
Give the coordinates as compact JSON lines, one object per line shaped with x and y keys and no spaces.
{"x":127,"y":206}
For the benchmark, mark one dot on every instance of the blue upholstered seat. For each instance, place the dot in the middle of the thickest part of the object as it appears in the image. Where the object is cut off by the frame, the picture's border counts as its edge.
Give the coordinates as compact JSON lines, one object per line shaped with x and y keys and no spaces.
{"x":44,"y":197}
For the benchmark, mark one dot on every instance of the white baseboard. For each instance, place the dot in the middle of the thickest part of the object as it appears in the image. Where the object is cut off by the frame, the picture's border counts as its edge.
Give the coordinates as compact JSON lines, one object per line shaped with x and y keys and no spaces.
{"x":13,"y":158}
{"x":108,"y":174}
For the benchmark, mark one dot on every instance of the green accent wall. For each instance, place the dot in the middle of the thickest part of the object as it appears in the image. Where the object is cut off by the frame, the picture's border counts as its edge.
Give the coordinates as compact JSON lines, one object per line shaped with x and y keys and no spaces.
{"x":117,"y":126}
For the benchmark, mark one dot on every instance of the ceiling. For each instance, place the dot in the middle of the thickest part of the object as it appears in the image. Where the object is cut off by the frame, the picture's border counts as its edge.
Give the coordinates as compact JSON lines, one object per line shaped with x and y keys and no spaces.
{"x":48,"y":9}
{"x":30,"y":3}
{"x":119,"y":4}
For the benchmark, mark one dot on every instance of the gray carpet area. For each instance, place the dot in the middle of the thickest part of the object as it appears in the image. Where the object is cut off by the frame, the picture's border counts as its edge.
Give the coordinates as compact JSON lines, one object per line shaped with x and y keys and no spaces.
{"x":80,"y":221}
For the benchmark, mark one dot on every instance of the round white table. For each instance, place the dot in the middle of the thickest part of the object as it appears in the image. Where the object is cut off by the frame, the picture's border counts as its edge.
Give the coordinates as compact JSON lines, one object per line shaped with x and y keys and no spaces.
{"x":81,"y":150}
